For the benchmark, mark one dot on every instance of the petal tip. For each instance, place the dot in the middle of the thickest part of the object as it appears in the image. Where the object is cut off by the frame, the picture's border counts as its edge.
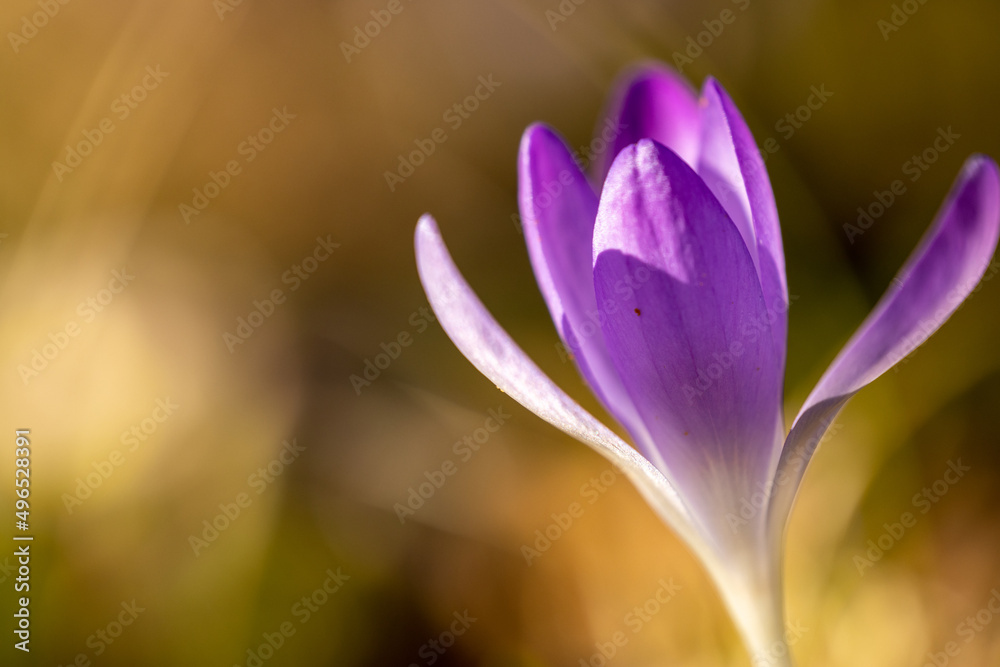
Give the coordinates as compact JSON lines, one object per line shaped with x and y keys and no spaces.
{"x":626,"y":159}
{"x":537,"y":137}
{"x":978,"y":184}
{"x":425,"y":237}
{"x":426,"y":225}
{"x":980,"y":164}
{"x":646,"y":70}
{"x":537,"y":128}
{"x":711,"y":84}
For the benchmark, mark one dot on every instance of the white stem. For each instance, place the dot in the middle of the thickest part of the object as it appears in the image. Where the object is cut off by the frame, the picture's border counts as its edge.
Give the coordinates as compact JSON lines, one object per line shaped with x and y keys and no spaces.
{"x":750,"y":586}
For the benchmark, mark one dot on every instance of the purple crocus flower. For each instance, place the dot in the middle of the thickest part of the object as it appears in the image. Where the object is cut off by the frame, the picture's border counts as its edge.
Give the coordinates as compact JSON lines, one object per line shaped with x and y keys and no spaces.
{"x":669,"y":288}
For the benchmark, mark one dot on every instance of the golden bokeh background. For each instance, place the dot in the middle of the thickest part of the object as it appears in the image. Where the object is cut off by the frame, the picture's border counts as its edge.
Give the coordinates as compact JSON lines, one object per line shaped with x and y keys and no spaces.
{"x":120,"y":309}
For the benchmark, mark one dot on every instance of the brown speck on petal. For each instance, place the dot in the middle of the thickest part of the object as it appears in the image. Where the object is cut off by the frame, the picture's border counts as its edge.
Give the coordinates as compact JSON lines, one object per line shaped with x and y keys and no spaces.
{"x":638,"y":312}
{"x":685,"y":432}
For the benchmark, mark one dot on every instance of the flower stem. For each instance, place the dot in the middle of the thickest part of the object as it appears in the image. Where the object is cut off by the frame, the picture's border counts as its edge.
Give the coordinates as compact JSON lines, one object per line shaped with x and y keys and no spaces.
{"x":752,"y":592}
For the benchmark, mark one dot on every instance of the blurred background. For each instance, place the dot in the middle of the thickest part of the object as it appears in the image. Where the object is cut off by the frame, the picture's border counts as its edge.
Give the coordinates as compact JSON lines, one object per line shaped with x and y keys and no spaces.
{"x":199,"y":247}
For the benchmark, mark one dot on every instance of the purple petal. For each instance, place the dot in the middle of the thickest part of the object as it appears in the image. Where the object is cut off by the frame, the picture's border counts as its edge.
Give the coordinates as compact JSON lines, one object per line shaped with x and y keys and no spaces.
{"x":743,"y":574}
{"x":558,"y":211}
{"x":483,"y":342}
{"x":692,"y":342}
{"x":945,"y":267}
{"x":731,"y":166}
{"x":650,"y":102}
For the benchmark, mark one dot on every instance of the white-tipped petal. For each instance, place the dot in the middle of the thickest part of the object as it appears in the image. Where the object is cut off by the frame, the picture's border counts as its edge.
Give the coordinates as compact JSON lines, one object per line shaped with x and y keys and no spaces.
{"x":492,"y":351}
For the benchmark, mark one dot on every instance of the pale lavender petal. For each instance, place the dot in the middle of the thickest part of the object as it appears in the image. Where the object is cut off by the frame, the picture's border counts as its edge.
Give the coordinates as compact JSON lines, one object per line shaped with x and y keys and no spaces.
{"x":693,"y":344}
{"x":731,"y":165}
{"x":483,"y":342}
{"x":558,"y":210}
{"x":650,"y":101}
{"x":945,"y":267}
